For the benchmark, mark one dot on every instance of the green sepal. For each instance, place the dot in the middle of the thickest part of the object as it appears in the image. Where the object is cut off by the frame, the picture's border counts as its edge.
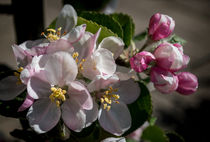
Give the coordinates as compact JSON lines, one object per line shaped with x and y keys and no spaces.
{"x":176,"y":39}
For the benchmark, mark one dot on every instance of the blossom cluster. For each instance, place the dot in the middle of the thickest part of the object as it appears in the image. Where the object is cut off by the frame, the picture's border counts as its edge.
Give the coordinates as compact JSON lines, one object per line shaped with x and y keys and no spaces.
{"x":166,"y":61}
{"x":68,"y":75}
{"x":71,"y":76}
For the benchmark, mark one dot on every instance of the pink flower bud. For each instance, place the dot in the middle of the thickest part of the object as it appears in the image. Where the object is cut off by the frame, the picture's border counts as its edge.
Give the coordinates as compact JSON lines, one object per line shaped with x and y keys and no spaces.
{"x":169,"y":57}
{"x":164,"y":81}
{"x":140,"y":61}
{"x":188,"y":83}
{"x":160,"y":26}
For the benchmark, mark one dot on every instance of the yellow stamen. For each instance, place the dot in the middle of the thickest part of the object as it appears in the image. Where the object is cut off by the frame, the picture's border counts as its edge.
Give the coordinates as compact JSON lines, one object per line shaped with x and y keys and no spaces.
{"x":109,"y":97}
{"x":19,"y":70}
{"x":80,"y":64}
{"x":108,"y":108}
{"x":105,"y":105}
{"x":57,"y":96}
{"x":52,"y":35}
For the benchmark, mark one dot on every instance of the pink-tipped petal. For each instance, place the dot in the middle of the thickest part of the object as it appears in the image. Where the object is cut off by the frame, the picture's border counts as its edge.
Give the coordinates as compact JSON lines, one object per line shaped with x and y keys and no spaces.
{"x":89,"y":46}
{"x":26,"y":104}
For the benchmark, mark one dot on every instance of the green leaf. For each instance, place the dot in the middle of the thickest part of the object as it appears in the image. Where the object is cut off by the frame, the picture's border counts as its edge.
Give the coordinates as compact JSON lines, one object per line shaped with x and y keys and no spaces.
{"x":154,"y":134}
{"x":127,"y":25}
{"x":141,"y":109}
{"x":176,"y":39}
{"x":140,"y":36}
{"x":130,"y":140}
{"x":94,"y":27}
{"x":174,"y":137}
{"x":104,"y":20}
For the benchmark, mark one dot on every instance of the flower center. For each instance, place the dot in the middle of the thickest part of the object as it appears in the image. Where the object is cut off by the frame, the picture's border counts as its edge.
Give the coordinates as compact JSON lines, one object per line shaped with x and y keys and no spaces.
{"x":57,"y":96}
{"x":109,"y":97}
{"x":18,"y":75}
{"x":52,"y":34}
{"x":80,"y":64}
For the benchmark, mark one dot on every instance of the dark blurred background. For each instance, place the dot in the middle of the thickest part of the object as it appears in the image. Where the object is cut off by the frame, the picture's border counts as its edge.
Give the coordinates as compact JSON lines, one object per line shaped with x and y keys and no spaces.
{"x":187,"y":115}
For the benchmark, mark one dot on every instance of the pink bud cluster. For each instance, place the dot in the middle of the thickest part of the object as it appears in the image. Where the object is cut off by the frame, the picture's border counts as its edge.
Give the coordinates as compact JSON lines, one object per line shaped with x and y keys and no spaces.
{"x":169,"y":60}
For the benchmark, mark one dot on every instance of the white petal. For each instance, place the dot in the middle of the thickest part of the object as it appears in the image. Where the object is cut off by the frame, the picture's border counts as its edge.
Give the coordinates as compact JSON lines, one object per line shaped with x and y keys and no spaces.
{"x":60,"y":45}
{"x":73,"y":116}
{"x":75,"y":34}
{"x":43,"y":115}
{"x":105,"y":62}
{"x":60,"y":68}
{"x":101,"y":83}
{"x":91,"y":115}
{"x":80,"y":45}
{"x":100,"y":63}
{"x":38,"y":86}
{"x":9,"y":89}
{"x":67,"y":18}
{"x":80,"y":94}
{"x":117,"y":120}
{"x":22,"y":58}
{"x":112,"y":139}
{"x":86,"y":45}
{"x":89,"y":68}
{"x":128,"y":90}
{"x":113,"y":44}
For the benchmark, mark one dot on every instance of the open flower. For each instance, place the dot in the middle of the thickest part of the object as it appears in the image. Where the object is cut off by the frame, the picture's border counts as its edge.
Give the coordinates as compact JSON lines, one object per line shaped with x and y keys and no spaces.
{"x":55,"y":89}
{"x":113,"y":94}
{"x":99,"y":60}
